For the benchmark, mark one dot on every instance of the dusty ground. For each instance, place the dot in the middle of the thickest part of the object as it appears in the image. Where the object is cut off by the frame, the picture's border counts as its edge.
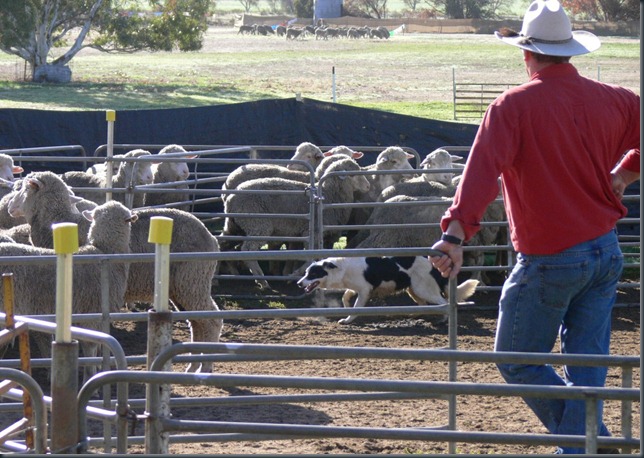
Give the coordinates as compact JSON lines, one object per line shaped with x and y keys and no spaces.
{"x":475,"y":332}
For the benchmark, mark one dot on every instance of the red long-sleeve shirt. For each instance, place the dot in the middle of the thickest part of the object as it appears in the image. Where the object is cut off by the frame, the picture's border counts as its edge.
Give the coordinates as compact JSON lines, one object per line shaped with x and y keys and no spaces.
{"x":553,"y":141}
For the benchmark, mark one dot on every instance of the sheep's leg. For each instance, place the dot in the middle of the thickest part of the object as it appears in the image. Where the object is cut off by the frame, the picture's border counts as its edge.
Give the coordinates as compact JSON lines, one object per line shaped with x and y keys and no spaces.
{"x":253,"y":265}
{"x":361,"y":301}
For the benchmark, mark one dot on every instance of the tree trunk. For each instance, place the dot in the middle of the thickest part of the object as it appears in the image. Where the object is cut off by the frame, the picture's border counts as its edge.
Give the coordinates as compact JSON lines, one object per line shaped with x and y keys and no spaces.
{"x":52,"y":74}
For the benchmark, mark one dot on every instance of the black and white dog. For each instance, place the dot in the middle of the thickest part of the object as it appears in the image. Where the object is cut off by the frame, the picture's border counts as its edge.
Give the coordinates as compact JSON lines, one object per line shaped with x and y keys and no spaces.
{"x":382,"y":276}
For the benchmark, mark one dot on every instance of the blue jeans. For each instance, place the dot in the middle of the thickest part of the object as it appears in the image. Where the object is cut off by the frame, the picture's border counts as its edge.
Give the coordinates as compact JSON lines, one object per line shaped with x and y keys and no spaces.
{"x":571,"y":295}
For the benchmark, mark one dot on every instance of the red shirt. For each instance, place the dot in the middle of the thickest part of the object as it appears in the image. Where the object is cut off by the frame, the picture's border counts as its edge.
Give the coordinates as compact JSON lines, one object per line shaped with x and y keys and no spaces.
{"x":553,"y":141}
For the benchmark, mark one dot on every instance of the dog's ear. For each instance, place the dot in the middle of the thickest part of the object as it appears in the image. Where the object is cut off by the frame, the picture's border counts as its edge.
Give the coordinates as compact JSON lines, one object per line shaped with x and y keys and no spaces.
{"x":329,"y":265}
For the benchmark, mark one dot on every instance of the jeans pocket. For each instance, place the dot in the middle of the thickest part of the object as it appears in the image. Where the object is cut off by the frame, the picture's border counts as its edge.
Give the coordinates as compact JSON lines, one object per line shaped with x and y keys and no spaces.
{"x":558,"y":283}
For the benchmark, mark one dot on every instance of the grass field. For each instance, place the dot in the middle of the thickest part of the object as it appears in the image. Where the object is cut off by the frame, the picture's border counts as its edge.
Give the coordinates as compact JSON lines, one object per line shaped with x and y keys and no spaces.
{"x":411,"y":74}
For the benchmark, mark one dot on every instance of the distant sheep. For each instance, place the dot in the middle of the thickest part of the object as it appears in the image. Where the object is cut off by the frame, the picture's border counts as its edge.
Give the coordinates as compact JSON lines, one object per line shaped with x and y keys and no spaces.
{"x":129,"y":174}
{"x":335,"y":189}
{"x":8,"y":169}
{"x":6,"y":220}
{"x":293,"y":33}
{"x":35,"y":284}
{"x":170,"y":172}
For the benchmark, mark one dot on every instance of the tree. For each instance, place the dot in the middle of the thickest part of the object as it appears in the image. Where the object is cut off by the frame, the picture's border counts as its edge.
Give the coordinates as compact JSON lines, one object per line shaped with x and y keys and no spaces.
{"x":366,"y":8}
{"x":303,"y":8}
{"x":412,"y":4}
{"x":248,"y":4}
{"x":468,"y":9}
{"x":603,"y":10}
{"x":31,"y":29}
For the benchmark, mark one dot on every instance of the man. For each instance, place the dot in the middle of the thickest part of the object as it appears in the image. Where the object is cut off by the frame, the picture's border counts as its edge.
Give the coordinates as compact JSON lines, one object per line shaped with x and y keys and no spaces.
{"x":554,"y":141}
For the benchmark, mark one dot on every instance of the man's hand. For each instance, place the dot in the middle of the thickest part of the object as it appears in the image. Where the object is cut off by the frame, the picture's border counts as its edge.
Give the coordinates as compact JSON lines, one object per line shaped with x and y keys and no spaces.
{"x":449,"y":264}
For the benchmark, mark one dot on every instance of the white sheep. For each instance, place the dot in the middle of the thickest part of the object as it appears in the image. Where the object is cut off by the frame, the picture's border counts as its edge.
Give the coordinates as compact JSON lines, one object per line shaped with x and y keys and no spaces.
{"x":335,"y":189}
{"x":35,"y":284}
{"x":44,"y":199}
{"x":134,"y":173}
{"x":429,"y":184}
{"x":6,"y":220}
{"x":402,"y":216}
{"x":170,"y":172}
{"x":8,"y":169}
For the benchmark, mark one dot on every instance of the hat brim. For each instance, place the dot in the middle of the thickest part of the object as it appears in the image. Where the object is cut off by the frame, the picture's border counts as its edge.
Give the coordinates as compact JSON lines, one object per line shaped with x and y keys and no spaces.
{"x":582,"y":43}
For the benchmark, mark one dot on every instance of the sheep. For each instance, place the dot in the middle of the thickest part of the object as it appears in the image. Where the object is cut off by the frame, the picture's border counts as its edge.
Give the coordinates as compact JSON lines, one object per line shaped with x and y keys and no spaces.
{"x":6,"y":220}
{"x":35,"y":284}
{"x":8,"y":170}
{"x":293,"y":33}
{"x":18,"y":234}
{"x":100,"y":167}
{"x":335,"y":189}
{"x":336,"y":153}
{"x":190,"y":283}
{"x":129,"y":174}
{"x":429,"y":184}
{"x":401,"y":216}
{"x":391,"y":158}
{"x":169,"y":172}
{"x":44,"y":199}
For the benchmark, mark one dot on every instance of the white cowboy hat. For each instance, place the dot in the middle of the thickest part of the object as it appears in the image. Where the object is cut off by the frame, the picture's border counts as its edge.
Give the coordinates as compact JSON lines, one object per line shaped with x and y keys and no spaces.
{"x":546,"y":30}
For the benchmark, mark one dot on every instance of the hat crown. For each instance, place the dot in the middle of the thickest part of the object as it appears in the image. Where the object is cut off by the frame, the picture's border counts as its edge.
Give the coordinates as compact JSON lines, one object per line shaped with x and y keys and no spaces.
{"x":546,"y":20}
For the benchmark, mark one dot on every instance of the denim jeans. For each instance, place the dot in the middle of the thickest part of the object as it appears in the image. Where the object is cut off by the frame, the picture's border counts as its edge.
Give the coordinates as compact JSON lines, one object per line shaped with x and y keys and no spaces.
{"x":571,"y":295}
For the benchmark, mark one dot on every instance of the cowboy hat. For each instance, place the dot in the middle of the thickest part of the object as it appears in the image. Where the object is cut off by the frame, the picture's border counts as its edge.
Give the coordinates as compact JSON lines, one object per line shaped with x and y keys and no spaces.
{"x":547,"y":30}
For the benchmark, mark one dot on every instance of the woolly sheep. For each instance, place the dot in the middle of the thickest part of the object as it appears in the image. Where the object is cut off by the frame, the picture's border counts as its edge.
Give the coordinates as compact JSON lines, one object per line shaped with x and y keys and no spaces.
{"x":100,"y":167}
{"x":35,"y":284}
{"x":6,"y":220}
{"x":8,"y":169}
{"x":335,"y":189}
{"x":190,"y":283}
{"x":44,"y":199}
{"x":129,"y":174}
{"x":336,"y":153}
{"x":402,"y":216}
{"x":170,"y":172}
{"x":429,"y":184}
{"x":391,"y":158}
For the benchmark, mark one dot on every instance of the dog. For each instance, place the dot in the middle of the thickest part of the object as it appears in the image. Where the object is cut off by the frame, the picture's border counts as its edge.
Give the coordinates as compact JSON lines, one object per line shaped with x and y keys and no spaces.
{"x":382,"y":276}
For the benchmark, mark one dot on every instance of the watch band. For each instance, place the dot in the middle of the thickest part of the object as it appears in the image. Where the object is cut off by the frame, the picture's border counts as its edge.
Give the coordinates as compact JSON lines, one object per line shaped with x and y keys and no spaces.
{"x":451,"y":239}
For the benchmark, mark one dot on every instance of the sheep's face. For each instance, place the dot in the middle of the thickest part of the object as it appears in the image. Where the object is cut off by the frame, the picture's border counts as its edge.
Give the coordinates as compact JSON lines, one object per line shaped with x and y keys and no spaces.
{"x":394,"y":159}
{"x":439,"y":159}
{"x":307,"y":152}
{"x":144,"y":173}
{"x":7,"y":170}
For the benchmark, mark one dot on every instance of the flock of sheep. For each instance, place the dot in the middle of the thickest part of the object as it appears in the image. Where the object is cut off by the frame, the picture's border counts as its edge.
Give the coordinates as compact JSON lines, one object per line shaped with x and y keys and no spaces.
{"x":31,"y":204}
{"x":321,"y":32}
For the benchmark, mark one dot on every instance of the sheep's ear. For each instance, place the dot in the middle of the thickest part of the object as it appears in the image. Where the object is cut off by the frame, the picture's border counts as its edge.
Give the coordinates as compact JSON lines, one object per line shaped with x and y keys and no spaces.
{"x":192,"y":156}
{"x":357,"y":155}
{"x":409,"y":155}
{"x":89,"y":216}
{"x":329,"y":265}
{"x":132,"y":218}
{"x":17,"y":169}
{"x":327,"y":154}
{"x":34,"y":183}
{"x":455,"y":157}
{"x":74,"y":199}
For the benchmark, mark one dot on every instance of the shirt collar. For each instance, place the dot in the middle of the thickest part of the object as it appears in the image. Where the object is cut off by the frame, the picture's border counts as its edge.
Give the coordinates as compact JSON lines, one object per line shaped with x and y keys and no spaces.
{"x":555,"y":71}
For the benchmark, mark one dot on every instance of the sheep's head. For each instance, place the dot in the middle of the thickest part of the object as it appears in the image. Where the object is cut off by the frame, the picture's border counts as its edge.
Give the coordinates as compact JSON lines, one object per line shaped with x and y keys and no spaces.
{"x":355,"y":182}
{"x":440,"y":159}
{"x":394,"y":158}
{"x":345,"y":151}
{"x":173,"y":171}
{"x":137,"y":173}
{"x":7,"y":169}
{"x":307,"y":152}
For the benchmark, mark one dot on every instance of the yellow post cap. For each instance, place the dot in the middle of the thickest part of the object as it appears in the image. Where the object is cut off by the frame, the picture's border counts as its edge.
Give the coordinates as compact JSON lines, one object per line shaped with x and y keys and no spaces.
{"x":110,"y":115}
{"x":160,"y":230}
{"x":65,"y":238}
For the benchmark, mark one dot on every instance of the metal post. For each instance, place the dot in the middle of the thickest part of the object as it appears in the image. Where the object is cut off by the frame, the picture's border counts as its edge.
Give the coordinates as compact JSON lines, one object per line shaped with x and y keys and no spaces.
{"x":110,"y":117}
{"x":64,"y":377}
{"x":592,"y":427}
{"x":333,"y":83}
{"x":159,"y":337}
{"x":452,"y":337}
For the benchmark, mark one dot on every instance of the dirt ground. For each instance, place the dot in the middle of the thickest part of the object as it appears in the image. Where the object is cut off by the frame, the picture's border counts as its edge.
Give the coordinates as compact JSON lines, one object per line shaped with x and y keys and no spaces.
{"x":476,"y":325}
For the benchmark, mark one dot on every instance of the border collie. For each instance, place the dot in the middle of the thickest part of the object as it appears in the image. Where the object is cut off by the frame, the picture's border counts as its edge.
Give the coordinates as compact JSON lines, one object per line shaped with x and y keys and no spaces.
{"x":382,"y":276}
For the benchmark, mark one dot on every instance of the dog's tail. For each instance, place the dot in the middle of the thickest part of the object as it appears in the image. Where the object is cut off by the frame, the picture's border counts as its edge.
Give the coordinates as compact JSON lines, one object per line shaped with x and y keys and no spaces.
{"x":466,"y":289}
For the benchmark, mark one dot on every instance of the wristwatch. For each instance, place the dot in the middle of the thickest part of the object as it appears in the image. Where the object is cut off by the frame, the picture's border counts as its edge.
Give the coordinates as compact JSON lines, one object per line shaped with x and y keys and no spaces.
{"x":451,"y":239}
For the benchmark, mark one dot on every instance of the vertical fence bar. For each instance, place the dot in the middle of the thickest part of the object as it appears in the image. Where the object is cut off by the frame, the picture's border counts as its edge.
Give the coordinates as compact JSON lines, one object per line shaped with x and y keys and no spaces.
{"x":159,"y":336}
{"x":110,"y":117}
{"x":64,"y":378}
